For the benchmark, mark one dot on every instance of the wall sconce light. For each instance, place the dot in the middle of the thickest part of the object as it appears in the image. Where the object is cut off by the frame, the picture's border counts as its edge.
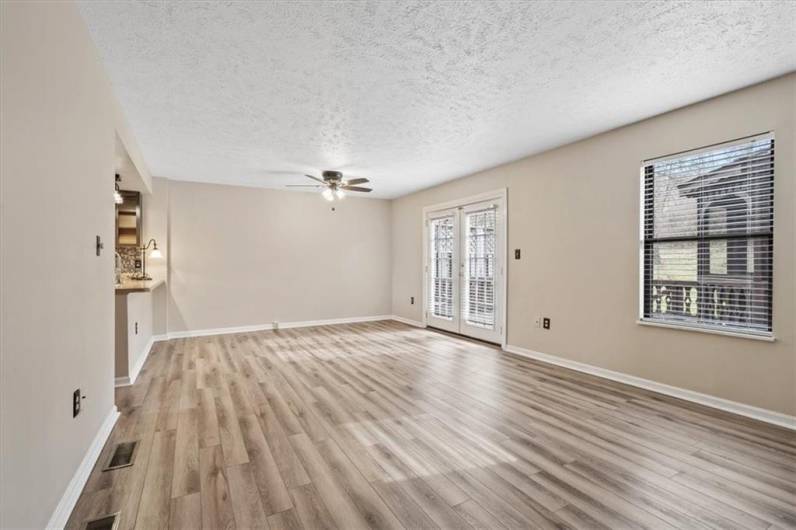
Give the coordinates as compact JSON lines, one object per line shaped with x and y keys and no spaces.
{"x":154,"y":254}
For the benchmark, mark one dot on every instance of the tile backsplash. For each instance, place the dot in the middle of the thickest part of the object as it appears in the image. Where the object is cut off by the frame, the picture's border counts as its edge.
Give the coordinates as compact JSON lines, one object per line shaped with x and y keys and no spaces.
{"x":129,"y":256}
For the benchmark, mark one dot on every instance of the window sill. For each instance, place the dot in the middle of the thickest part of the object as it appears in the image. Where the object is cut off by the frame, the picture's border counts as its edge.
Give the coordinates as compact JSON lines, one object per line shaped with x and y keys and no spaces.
{"x":738,"y":334}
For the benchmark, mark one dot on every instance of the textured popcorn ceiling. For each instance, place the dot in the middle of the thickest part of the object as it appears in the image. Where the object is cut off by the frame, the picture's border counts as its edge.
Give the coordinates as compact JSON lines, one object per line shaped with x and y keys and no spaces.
{"x":411,"y":94}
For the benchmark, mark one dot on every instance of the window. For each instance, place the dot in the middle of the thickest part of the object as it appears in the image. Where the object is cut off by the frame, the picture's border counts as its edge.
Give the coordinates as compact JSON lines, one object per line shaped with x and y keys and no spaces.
{"x":707,"y":237}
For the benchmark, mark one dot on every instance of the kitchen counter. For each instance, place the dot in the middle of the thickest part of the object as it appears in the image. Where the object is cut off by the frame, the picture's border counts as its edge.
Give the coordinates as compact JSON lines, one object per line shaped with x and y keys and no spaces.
{"x":139,"y":286}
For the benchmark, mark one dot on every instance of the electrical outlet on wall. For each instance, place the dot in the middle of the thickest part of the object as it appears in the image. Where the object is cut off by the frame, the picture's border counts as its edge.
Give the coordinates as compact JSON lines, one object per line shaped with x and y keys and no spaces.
{"x":412,"y":300}
{"x":546,"y":323}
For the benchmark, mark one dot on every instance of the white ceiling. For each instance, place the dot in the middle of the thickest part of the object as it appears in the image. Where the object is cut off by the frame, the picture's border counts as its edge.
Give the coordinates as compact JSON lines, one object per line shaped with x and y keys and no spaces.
{"x":413,"y":94}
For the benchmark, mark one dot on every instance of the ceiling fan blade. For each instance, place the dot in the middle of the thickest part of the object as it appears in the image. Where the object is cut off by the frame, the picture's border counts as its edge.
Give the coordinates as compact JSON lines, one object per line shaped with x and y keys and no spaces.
{"x":303,"y":186}
{"x":354,"y":182}
{"x":315,"y":178}
{"x":357,"y":188}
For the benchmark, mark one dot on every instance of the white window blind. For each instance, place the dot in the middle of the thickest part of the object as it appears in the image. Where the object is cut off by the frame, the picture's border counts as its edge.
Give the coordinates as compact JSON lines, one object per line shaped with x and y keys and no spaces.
{"x":479,"y":296}
{"x":441,"y":274}
{"x":707,"y":237}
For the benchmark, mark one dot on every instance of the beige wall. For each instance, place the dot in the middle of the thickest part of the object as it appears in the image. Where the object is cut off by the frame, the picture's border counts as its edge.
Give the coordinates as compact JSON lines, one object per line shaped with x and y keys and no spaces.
{"x":242,"y":256}
{"x":59,"y":121}
{"x":156,"y":225}
{"x":122,"y":364}
{"x":574,"y":212}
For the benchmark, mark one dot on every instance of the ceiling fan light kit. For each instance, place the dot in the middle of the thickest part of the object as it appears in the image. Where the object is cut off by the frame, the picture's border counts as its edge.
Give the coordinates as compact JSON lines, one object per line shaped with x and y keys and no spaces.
{"x":334,"y":186}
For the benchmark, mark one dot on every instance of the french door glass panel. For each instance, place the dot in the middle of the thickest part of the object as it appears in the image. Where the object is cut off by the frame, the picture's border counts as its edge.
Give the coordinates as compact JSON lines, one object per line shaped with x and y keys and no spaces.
{"x":480,"y":239}
{"x":464,"y":270}
{"x":443,"y":271}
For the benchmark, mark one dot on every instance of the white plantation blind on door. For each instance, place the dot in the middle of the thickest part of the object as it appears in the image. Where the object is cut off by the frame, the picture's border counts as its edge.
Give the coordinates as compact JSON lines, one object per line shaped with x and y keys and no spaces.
{"x":479,"y":295}
{"x":707,"y":237}
{"x":441,"y":239}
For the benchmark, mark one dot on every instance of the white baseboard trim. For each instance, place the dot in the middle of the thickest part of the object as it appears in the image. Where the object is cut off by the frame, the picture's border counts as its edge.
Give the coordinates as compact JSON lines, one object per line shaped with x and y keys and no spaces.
{"x":768,"y":416}
{"x":408,"y":321}
{"x":67,"y":503}
{"x":266,"y":327}
{"x":332,"y":321}
{"x":136,"y":368}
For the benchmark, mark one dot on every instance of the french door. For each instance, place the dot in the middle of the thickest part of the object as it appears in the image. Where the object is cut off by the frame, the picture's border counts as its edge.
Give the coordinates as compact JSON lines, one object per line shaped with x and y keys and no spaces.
{"x":464,"y":269}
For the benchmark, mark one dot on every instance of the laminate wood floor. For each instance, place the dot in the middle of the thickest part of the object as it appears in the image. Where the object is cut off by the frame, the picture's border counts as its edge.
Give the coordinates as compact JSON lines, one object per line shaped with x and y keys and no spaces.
{"x":380,"y":425}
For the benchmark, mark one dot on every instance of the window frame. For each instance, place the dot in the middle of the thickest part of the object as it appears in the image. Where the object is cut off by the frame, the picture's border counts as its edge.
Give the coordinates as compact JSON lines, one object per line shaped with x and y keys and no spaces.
{"x":647,"y":240}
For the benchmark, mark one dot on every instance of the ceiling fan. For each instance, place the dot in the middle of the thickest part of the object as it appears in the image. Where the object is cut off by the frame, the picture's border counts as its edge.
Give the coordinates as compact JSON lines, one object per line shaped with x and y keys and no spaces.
{"x":334,"y":185}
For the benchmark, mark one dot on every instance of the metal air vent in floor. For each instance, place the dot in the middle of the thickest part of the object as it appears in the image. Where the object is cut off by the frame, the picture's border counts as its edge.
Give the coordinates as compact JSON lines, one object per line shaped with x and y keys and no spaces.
{"x":106,"y":522}
{"x":123,"y":455}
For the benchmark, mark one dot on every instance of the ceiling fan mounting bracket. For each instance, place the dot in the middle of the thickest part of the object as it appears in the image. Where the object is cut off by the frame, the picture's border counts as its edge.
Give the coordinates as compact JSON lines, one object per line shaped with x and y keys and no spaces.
{"x":333,"y":176}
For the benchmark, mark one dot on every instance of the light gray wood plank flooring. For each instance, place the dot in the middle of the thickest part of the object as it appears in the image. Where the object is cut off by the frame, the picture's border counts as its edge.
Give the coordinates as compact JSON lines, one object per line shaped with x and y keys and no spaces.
{"x":380,"y":425}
